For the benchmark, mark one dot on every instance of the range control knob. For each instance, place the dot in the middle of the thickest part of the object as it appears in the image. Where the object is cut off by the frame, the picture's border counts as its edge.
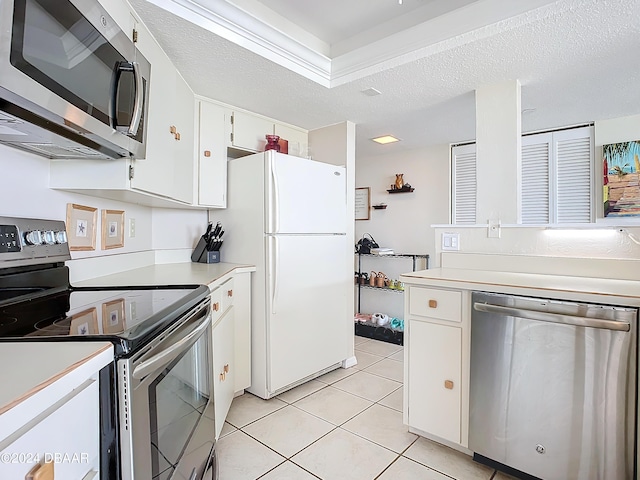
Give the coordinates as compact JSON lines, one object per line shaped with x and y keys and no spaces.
{"x":49,"y":237}
{"x":61,"y":237}
{"x":33,"y":238}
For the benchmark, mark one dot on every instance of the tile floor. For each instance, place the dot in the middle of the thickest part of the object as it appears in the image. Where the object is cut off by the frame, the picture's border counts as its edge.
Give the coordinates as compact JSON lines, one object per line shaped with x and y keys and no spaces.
{"x":345,"y":425}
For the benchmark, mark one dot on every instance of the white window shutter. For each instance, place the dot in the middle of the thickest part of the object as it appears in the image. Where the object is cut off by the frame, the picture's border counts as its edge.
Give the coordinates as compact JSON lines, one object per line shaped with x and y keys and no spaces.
{"x":535,"y":180}
{"x":464,"y":184}
{"x":574,"y":164}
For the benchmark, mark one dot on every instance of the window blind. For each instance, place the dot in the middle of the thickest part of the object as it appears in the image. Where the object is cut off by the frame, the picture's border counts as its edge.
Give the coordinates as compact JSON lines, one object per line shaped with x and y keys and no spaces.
{"x":464,"y":184}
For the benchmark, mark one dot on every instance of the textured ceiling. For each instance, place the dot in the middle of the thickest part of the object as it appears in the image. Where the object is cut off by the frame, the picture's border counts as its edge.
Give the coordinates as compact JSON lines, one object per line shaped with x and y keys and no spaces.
{"x":577,"y":63}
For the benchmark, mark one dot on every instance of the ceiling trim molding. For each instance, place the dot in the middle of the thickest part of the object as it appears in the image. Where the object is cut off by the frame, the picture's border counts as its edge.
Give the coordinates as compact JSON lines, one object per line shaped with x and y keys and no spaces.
{"x":237,"y":26}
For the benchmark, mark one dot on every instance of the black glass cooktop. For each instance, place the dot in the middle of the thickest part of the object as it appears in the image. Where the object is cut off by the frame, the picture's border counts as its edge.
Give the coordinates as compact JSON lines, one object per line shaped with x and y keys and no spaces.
{"x":126,"y":317}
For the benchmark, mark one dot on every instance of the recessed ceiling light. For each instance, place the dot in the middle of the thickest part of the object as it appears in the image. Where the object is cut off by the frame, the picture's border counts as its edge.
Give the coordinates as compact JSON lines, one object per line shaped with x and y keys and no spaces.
{"x":385,"y":139}
{"x":371,"y":92}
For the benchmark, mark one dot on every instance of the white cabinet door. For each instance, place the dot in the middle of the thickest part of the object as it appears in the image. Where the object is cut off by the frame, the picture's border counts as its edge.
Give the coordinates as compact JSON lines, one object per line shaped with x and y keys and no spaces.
{"x":249,"y":131}
{"x":212,"y":155}
{"x":242,"y":307}
{"x":223,"y":368}
{"x":298,"y":139}
{"x":154,"y":173}
{"x":434,"y":381}
{"x":183,"y":157}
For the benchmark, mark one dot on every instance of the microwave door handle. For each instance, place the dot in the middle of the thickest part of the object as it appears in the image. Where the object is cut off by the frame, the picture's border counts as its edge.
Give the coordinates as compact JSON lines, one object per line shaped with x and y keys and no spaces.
{"x":136,"y":116}
{"x":148,"y":366}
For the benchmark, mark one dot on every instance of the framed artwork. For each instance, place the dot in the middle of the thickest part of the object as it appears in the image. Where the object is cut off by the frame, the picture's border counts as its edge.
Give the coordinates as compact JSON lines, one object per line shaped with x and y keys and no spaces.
{"x":84,"y":323}
{"x":363,"y":203}
{"x":81,"y":226}
{"x":113,"y":316}
{"x":112,"y":229}
{"x":621,"y":182}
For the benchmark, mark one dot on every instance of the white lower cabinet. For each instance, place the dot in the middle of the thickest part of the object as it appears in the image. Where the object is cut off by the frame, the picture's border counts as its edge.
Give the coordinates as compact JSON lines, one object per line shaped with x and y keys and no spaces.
{"x":437,"y":324}
{"x":434,"y":382}
{"x":66,"y":435}
{"x":223,"y":367}
{"x":231,"y":319}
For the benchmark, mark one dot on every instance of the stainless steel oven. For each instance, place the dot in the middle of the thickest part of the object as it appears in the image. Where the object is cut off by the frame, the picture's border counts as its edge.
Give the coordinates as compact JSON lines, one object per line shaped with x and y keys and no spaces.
{"x":166,"y":403}
{"x":72,"y":83}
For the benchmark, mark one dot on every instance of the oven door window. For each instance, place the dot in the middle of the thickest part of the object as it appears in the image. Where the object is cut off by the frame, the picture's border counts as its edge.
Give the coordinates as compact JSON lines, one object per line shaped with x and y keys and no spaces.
{"x":177,"y":400}
{"x":53,"y":43}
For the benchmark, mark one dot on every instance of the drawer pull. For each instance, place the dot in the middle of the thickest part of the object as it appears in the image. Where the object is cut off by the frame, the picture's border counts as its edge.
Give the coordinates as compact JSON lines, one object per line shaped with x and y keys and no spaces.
{"x":41,"y":472}
{"x":223,"y":376}
{"x":173,"y":130}
{"x":226,"y":368}
{"x":207,"y":153}
{"x":433,"y":304}
{"x":177,"y":136}
{"x":229,"y":293}
{"x":448,"y":384}
{"x":216,"y":306}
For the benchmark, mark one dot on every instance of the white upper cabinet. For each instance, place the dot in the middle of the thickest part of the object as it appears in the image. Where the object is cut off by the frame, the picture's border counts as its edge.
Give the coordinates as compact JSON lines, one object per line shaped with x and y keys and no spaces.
{"x":298,"y":139}
{"x":249,"y":131}
{"x":212,"y":155}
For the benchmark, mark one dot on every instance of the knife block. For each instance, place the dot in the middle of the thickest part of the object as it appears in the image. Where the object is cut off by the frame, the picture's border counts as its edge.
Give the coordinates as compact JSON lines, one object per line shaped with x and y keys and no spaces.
{"x":202,"y":255}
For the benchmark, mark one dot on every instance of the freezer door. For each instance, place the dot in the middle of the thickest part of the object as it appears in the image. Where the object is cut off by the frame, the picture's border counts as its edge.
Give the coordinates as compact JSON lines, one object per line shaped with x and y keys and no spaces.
{"x":304,"y":196}
{"x":306,"y":306}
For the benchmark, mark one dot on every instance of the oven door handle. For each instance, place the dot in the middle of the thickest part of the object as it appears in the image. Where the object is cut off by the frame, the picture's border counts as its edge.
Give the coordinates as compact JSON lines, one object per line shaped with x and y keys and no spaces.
{"x":148,"y":366}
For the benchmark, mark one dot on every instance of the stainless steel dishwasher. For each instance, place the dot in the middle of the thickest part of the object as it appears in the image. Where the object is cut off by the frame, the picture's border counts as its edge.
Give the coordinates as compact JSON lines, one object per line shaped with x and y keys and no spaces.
{"x":553,"y":387}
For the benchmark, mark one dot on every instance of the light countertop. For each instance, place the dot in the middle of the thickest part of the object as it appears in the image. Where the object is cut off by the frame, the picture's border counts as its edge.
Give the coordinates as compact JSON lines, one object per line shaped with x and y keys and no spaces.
{"x":36,"y":374}
{"x":614,"y":291}
{"x":187,"y":273}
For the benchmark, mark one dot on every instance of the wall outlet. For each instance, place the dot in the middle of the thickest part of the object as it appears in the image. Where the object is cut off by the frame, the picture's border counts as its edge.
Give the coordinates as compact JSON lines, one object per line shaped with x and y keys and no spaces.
{"x":132,"y":227}
{"x":493,"y":230}
{"x":450,"y":241}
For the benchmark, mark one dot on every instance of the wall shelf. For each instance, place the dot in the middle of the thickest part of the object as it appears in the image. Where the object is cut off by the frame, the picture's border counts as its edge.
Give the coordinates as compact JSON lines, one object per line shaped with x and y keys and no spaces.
{"x":401,"y":190}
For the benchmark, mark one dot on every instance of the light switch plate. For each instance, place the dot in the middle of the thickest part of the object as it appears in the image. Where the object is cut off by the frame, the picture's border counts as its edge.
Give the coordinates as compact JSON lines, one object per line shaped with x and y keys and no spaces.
{"x":450,"y":241}
{"x":493,"y":230}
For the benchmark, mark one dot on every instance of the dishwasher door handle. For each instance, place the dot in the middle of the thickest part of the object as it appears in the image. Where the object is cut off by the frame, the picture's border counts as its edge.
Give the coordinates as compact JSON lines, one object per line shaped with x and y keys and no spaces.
{"x":553,"y":317}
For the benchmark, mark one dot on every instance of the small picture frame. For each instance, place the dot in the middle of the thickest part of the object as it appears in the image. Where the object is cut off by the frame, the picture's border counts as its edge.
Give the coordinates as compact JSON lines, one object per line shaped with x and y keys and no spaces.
{"x":81,"y":226}
{"x":112,"y":229}
{"x":113,"y":316}
{"x":363,"y":203}
{"x":84,"y":323}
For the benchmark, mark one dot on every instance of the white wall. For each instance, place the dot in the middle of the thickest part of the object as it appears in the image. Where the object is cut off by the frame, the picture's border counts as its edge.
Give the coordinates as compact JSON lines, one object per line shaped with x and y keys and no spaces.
{"x":405,"y":225}
{"x":24,"y":184}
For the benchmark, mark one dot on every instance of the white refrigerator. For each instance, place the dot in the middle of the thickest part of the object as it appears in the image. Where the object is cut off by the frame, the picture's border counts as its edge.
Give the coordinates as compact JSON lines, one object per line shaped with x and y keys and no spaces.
{"x":287,"y":216}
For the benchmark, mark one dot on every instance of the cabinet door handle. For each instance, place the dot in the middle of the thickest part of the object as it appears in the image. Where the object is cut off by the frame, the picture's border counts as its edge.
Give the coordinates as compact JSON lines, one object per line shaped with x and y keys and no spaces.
{"x":448,"y":384}
{"x":216,"y":307}
{"x":433,"y":304}
{"x":207,"y":153}
{"x":177,"y":136}
{"x":229,"y":293}
{"x":226,"y":368}
{"x":223,"y":376}
{"x":173,"y":130}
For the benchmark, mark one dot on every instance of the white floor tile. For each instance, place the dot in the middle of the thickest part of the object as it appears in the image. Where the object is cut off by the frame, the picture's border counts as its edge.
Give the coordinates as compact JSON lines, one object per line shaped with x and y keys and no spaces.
{"x":227,"y":428}
{"x":377,"y":347}
{"x":248,"y":408}
{"x":448,"y":461}
{"x":366,"y":359}
{"x":288,"y":430}
{"x":383,"y":426}
{"x":288,"y":471}
{"x":301,"y":391}
{"x":368,"y":386}
{"x":333,"y":405}
{"x":344,"y":456}
{"x":405,"y":469}
{"x":240,"y":457}
{"x":387,"y":368}
{"x":398,"y":356}
{"x":393,"y":400}
{"x":358,"y":340}
{"x":337,"y":374}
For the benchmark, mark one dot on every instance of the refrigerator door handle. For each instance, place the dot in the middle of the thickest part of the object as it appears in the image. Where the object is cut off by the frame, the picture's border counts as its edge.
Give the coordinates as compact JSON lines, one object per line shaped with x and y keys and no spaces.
{"x":275,"y":207}
{"x":274,"y":274}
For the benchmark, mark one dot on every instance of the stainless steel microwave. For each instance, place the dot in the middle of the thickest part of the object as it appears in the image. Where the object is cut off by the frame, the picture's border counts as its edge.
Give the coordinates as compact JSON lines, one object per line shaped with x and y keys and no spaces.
{"x":72,"y":83}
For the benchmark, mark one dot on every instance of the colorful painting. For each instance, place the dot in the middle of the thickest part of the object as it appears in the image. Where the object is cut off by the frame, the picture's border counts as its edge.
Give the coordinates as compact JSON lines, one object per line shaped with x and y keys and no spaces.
{"x":621,"y":183}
